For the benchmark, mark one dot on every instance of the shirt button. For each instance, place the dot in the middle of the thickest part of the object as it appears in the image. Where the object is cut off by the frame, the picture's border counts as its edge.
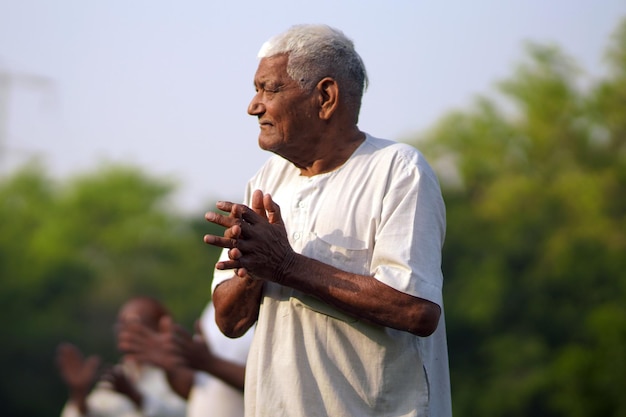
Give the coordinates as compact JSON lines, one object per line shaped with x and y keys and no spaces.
{"x":297,"y":235}
{"x":300,"y":204}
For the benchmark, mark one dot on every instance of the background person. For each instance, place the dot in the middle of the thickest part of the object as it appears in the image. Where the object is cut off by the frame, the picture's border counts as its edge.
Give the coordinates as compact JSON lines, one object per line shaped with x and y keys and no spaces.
{"x":207,"y":368}
{"x":131,"y":388}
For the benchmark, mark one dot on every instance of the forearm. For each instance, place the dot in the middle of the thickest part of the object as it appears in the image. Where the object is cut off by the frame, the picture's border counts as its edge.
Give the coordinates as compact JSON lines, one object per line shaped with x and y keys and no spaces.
{"x":231,"y":373}
{"x":181,"y":381}
{"x":361,"y":296}
{"x":237,"y":302}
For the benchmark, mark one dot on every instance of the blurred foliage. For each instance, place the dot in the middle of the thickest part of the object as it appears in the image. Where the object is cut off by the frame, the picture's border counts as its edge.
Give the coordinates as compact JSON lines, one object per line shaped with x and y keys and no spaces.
{"x":71,"y":253}
{"x":534,"y":181}
{"x":535,"y":256}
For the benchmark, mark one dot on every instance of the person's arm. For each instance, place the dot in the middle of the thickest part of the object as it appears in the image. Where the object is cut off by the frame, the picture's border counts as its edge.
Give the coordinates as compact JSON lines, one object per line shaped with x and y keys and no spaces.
{"x":200,"y":356}
{"x":237,"y":302}
{"x":145,"y":345}
{"x":178,"y":353}
{"x":121,"y":384}
{"x":260,"y":251}
{"x":230,"y":372}
{"x":361,"y":296}
{"x":80,"y":402}
{"x":196,"y":353}
{"x":78,"y":373}
{"x":181,"y":380}
{"x":159,"y":403}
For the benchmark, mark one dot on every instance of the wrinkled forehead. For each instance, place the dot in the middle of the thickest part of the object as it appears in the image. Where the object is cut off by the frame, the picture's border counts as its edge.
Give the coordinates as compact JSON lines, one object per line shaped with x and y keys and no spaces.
{"x":271,"y":68}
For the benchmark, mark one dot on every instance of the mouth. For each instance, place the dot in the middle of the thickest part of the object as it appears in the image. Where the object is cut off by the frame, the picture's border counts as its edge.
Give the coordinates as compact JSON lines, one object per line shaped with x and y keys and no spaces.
{"x":264,"y":123}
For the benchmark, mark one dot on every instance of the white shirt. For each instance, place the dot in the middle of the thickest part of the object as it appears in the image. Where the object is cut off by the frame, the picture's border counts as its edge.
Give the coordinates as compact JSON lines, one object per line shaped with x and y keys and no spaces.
{"x":380,"y":214}
{"x":158,"y":398}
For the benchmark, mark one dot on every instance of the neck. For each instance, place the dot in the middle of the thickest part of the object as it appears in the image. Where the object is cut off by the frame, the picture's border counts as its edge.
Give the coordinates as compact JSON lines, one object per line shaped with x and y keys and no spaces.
{"x":332,"y":153}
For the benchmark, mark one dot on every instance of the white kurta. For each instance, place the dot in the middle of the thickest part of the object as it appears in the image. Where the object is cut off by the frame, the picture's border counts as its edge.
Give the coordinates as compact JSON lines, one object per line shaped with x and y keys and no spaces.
{"x":158,"y":398}
{"x":380,"y":214}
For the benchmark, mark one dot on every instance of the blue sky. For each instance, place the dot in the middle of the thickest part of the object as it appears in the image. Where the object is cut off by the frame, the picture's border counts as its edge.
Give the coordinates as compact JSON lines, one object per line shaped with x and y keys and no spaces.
{"x":165,"y":84}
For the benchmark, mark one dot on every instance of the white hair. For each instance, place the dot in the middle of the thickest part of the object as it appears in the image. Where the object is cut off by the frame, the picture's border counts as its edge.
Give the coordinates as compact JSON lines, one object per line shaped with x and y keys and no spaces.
{"x":318,"y":51}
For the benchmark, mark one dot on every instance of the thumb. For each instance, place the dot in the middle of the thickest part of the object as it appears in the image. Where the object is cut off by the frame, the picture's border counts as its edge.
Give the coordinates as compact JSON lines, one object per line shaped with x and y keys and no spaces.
{"x":257,"y":203}
{"x":272,"y":209}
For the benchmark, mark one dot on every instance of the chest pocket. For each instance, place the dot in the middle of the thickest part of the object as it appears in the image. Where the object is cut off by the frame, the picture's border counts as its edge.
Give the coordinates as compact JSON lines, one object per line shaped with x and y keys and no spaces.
{"x":334,"y":249}
{"x":300,"y":300}
{"x":331,"y":249}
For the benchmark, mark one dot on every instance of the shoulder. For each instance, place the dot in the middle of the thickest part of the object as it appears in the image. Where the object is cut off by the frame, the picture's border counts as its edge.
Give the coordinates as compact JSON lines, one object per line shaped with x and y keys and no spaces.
{"x":396,"y":156}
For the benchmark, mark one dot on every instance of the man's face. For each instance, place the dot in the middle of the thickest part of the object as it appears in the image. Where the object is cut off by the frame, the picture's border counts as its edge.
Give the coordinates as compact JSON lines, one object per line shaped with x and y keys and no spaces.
{"x":137,"y":311}
{"x":287,"y":114}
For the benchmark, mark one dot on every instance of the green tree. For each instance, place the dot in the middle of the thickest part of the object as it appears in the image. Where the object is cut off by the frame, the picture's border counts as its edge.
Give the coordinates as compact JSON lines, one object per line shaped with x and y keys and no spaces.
{"x":71,"y":253}
{"x":534,"y":181}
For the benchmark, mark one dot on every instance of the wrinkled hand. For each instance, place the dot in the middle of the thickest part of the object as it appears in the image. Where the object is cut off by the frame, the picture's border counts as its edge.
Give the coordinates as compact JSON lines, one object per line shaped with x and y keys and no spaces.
{"x":256,"y":237}
{"x":77,"y":372}
{"x":144,"y":344}
{"x":119,"y":382}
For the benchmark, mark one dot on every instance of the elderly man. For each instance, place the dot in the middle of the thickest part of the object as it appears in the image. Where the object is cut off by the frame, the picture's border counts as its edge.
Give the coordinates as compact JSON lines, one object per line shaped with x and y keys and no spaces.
{"x":337,"y":255}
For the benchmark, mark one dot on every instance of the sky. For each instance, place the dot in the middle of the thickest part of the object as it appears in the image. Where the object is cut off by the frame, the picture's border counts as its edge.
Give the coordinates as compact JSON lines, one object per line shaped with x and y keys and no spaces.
{"x":164,"y":85}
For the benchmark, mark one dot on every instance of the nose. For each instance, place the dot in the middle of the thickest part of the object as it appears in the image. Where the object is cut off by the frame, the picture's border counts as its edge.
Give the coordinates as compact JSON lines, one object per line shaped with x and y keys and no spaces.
{"x":256,"y":107}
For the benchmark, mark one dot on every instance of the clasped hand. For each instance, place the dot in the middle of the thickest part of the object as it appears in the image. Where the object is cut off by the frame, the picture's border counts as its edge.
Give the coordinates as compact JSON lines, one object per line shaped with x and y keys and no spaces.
{"x":169,"y":347}
{"x":255,"y":235}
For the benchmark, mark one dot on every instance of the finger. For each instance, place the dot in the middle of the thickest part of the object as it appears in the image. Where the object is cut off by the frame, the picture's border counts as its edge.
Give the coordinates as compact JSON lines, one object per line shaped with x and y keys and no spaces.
{"x":222,"y":242}
{"x":69,"y":350}
{"x":129,"y":345}
{"x":166,"y":324}
{"x":133,"y":333}
{"x":133,"y":341}
{"x":220,"y":219}
{"x":132,"y":326}
{"x":273,"y":209}
{"x":233,"y":232}
{"x":257,"y":203}
{"x":243,"y":273}
{"x":224,"y":265}
{"x":66,"y":356}
{"x":224,"y":205}
{"x":250,"y":215}
{"x":234,"y":254}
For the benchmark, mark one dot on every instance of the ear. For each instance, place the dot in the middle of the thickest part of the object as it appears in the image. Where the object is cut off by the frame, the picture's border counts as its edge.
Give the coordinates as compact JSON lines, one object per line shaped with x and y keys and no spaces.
{"x":328,"y":97}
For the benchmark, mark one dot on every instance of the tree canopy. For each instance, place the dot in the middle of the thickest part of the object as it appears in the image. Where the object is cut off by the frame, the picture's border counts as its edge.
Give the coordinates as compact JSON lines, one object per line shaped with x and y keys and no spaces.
{"x":71,"y":253}
{"x":535,"y":185}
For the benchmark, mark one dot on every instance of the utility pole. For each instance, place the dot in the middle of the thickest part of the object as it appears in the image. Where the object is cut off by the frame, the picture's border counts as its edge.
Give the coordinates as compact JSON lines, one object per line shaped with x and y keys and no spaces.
{"x":9,"y":82}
